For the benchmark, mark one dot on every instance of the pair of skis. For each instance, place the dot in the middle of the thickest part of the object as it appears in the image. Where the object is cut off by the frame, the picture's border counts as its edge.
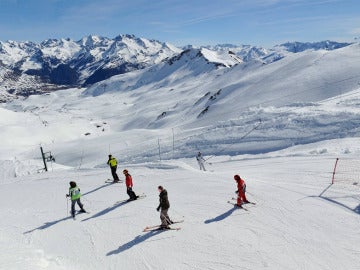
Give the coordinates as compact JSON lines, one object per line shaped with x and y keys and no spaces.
{"x":139,"y":197}
{"x":109,"y":181}
{"x":159,"y":228}
{"x":241,"y":206}
{"x":79,"y":212}
{"x":156,"y":227}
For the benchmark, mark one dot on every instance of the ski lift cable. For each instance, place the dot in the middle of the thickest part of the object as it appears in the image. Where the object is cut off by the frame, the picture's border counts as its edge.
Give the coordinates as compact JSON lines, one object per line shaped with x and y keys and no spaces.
{"x":258,"y":124}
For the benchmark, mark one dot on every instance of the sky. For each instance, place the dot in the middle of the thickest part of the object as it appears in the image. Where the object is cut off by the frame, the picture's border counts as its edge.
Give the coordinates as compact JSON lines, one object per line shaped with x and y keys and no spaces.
{"x":183,"y":22}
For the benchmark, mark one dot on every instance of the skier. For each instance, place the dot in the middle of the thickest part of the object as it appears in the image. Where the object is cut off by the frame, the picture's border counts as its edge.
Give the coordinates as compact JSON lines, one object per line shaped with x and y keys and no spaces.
{"x":112,"y":162}
{"x":164,"y":206}
{"x":74,"y":194}
{"x":240,"y":191}
{"x":129,"y":186}
{"x":201,"y":161}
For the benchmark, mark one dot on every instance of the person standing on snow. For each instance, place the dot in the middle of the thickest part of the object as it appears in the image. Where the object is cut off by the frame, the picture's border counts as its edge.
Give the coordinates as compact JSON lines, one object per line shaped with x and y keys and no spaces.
{"x":129,"y":186}
{"x":112,"y":162}
{"x":74,"y":194}
{"x":164,"y":207}
{"x":201,"y":161}
{"x":240,"y":191}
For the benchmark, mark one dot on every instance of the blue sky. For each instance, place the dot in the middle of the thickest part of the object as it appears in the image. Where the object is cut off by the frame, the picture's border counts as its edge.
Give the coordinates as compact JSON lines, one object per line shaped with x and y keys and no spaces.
{"x":197,"y":22}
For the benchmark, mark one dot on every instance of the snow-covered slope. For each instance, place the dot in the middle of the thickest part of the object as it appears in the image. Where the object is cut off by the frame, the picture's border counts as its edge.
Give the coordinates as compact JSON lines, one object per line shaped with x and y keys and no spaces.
{"x":195,"y":92}
{"x":206,"y":104}
{"x":279,"y":125}
{"x":292,"y":226}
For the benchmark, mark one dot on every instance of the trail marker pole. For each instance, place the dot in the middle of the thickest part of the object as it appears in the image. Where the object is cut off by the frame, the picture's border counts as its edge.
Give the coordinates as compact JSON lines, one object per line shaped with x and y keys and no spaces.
{"x":173,"y":142}
{"x":43,"y":157}
{"x":334,"y":171}
{"x":159,"y":149}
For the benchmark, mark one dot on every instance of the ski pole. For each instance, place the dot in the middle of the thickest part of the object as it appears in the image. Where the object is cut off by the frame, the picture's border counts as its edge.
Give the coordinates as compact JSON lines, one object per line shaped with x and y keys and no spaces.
{"x":67,"y":206}
{"x":167,"y":219}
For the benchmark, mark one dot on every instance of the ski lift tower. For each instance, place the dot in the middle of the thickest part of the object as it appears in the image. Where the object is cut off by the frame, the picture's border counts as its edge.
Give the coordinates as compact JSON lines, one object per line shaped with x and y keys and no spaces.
{"x":46,"y":157}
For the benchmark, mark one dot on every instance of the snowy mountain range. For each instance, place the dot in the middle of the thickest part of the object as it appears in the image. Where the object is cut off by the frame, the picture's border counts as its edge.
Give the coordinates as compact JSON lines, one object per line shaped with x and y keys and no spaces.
{"x":30,"y":68}
{"x":208,"y":98}
{"x":27,"y":67}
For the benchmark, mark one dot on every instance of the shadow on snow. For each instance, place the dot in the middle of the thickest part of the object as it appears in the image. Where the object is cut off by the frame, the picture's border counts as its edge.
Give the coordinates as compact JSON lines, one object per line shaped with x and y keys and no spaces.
{"x":47,"y":225}
{"x":52,"y":223}
{"x":107,"y":210}
{"x":96,"y":189}
{"x":355,"y":210}
{"x":221,"y":217}
{"x":136,"y":241}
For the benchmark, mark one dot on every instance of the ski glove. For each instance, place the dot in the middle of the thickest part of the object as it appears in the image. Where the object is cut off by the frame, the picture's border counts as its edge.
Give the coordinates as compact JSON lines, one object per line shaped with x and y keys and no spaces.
{"x":158,"y":209}
{"x":236,"y":191}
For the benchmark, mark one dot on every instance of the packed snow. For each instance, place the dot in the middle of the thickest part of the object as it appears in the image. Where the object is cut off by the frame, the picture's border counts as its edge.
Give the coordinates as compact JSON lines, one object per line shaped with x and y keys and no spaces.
{"x":280,"y":126}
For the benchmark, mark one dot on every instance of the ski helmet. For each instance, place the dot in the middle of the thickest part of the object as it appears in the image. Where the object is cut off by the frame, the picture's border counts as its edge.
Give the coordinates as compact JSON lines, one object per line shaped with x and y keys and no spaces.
{"x":72,"y":184}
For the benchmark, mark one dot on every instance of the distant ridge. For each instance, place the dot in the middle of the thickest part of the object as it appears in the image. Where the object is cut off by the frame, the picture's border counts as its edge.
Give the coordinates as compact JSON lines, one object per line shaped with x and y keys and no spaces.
{"x":28,"y":68}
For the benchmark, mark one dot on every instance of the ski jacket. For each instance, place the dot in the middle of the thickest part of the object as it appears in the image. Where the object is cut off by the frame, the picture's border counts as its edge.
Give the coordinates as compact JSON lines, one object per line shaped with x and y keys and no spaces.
{"x":164,"y":201}
{"x":241,"y":185}
{"x":112,"y":162}
{"x":128,"y":181}
{"x":200,"y":158}
{"x":74,"y":193}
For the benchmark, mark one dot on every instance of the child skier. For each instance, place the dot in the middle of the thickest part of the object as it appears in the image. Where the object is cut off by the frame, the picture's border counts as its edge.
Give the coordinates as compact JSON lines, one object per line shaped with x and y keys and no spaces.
{"x":164,"y":206}
{"x":112,"y":162}
{"x":240,"y":191}
{"x":129,"y":186}
{"x":74,"y":194}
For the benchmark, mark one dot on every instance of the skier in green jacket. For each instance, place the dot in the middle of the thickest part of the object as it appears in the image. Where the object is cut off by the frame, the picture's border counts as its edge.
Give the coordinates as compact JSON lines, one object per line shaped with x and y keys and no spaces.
{"x":74,"y":194}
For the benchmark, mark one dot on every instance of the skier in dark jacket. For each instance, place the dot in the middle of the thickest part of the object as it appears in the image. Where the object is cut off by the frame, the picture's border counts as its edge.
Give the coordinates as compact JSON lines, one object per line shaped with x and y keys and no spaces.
{"x":74,"y":194}
{"x":112,"y":162}
{"x":164,"y":207}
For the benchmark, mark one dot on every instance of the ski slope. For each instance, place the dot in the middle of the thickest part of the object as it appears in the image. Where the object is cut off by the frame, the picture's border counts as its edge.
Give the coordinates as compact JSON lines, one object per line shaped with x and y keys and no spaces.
{"x":290,"y":227}
{"x":280,"y":126}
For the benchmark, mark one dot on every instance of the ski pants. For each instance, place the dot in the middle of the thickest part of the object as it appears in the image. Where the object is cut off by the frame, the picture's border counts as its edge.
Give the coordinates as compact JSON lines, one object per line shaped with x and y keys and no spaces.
{"x":241,"y":197}
{"x":73,"y":206}
{"x":201,"y":165}
{"x":131,"y":193}
{"x":164,"y":217}
{"x":114,"y":174}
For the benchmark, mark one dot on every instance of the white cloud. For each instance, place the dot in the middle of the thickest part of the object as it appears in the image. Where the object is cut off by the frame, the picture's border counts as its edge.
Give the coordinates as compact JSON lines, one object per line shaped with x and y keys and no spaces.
{"x":355,"y":31}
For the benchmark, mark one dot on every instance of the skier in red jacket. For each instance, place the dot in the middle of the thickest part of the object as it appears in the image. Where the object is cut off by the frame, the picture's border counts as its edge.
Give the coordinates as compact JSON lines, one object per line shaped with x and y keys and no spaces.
{"x":129,"y":186}
{"x":241,"y":190}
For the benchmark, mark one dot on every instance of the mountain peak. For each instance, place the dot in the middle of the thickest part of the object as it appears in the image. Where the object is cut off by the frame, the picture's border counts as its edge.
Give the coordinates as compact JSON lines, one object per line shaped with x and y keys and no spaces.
{"x":91,"y":40}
